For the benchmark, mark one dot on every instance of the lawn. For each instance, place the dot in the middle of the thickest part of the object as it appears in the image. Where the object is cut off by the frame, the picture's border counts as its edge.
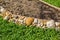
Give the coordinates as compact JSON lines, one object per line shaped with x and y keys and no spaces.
{"x":12,"y":31}
{"x":53,"y":2}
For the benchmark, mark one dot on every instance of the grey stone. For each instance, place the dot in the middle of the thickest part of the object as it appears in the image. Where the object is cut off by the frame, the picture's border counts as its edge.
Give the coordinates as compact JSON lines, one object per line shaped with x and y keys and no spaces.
{"x":51,"y":24}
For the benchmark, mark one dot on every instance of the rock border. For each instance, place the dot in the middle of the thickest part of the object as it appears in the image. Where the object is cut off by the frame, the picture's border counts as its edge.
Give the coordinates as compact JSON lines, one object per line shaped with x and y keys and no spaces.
{"x":18,"y":19}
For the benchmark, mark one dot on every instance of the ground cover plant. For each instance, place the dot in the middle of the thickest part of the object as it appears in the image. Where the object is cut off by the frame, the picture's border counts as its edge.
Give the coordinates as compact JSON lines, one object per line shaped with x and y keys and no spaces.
{"x":54,"y":2}
{"x":12,"y":31}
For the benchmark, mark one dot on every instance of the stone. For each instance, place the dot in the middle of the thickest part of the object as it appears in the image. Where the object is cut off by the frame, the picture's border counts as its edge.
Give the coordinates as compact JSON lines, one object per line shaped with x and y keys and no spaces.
{"x":10,"y":20}
{"x":21,"y":21}
{"x":1,"y":9}
{"x":51,"y":24}
{"x":35,"y":21}
{"x":17,"y":22}
{"x":29,"y":21}
{"x":57,"y":24}
{"x":21,"y":17}
{"x":3,"y":14}
{"x":6,"y":18}
{"x":7,"y":13}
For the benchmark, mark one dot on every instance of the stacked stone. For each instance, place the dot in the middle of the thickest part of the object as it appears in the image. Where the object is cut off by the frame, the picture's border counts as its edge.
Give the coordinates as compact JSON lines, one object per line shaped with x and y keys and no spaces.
{"x":18,"y":19}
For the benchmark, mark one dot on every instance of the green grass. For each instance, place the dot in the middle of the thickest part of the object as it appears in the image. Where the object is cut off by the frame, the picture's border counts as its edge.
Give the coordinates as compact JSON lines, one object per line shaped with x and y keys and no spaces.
{"x":11,"y":31}
{"x":54,"y":2}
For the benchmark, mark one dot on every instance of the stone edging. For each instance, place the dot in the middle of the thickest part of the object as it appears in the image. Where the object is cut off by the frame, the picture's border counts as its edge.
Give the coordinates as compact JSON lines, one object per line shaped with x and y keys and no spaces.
{"x":18,"y":19}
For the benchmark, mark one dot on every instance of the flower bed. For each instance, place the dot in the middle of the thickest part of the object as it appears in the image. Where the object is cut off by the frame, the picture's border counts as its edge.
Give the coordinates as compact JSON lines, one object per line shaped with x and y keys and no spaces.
{"x":18,"y":19}
{"x":31,"y":8}
{"x":30,"y":27}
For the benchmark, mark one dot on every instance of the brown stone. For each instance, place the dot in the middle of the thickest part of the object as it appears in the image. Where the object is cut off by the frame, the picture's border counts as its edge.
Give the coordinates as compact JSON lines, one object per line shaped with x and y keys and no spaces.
{"x":57,"y":24}
{"x":21,"y":17}
{"x":29,"y":21}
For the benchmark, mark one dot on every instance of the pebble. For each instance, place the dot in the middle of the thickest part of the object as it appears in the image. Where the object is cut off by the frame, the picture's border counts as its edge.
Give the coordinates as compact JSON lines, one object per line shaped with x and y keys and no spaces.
{"x":17,"y":22}
{"x":35,"y":21}
{"x":29,"y":21}
{"x":57,"y":24}
{"x":6,"y":18}
{"x":1,"y":9}
{"x":51,"y":24}
{"x":7,"y":13}
{"x":11,"y":20}
{"x":21,"y":21}
{"x":21,"y":17}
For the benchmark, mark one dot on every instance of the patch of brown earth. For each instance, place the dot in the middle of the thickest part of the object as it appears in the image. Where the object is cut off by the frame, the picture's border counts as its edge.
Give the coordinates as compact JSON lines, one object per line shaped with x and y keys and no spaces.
{"x":32,"y":8}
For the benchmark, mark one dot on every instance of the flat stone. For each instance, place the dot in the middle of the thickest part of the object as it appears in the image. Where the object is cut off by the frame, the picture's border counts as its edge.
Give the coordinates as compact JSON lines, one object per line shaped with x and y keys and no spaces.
{"x":51,"y":24}
{"x":10,"y":20}
{"x":29,"y":21}
{"x":21,"y":21}
{"x":16,"y":21}
{"x":6,"y":18}
{"x":1,"y":9}
{"x":35,"y":22}
{"x":7,"y":13}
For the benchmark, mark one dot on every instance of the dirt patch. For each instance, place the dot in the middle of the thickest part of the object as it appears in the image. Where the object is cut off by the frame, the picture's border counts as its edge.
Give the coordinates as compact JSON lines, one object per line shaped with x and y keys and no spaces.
{"x":22,"y":7}
{"x":32,"y":8}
